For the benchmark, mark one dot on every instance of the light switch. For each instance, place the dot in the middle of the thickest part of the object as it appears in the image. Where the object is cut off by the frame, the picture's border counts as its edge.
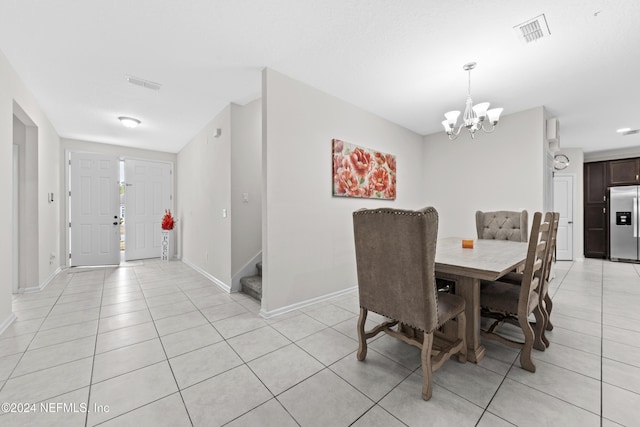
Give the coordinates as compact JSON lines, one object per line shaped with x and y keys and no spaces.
{"x":224,"y":213}
{"x":245,"y":197}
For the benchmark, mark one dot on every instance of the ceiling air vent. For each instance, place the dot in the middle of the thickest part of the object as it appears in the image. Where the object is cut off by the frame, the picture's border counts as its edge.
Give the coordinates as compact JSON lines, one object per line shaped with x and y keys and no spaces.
{"x":533,"y":29}
{"x":143,"y":83}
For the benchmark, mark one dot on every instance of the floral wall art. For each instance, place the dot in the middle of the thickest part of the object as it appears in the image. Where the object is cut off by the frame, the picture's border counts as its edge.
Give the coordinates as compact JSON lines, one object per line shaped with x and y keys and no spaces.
{"x":361,"y":172}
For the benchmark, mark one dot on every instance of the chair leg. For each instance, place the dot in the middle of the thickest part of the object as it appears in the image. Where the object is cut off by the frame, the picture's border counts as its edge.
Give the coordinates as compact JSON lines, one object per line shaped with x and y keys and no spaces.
{"x":545,"y":322}
{"x":362,"y":341}
{"x":525,"y":355}
{"x":549,"y":305}
{"x":538,"y":335}
{"x":462,"y":335}
{"x":425,"y":356}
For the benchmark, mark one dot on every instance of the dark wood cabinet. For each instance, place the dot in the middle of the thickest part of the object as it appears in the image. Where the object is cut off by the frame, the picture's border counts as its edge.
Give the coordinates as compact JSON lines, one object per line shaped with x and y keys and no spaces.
{"x":595,"y":182}
{"x":624,"y":172}
{"x":595,"y":209}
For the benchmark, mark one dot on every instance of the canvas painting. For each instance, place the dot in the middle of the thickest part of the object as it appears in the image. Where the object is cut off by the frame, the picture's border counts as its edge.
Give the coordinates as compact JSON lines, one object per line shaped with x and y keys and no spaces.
{"x":361,"y":172}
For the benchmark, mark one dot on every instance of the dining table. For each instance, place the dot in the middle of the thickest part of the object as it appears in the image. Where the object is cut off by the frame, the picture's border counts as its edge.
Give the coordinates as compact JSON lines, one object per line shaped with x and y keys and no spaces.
{"x":467,"y":267}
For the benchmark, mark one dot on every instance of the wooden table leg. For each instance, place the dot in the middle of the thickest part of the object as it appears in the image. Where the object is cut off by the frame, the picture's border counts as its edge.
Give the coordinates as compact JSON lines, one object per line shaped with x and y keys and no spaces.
{"x":469,"y":289}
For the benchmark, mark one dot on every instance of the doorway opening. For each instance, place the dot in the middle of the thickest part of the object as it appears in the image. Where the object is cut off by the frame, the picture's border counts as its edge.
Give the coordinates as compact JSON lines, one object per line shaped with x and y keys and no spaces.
{"x":25,"y":265}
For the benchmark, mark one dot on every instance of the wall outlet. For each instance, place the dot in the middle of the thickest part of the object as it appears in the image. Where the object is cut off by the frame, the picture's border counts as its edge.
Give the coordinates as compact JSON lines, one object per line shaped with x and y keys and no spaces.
{"x":245,"y":197}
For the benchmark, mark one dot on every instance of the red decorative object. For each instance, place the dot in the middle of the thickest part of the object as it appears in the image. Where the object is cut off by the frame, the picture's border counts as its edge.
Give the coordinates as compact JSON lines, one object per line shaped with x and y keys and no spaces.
{"x":167,"y":220}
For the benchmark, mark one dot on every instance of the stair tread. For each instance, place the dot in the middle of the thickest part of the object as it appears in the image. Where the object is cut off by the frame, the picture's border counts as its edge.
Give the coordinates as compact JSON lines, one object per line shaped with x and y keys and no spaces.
{"x":252,"y":286}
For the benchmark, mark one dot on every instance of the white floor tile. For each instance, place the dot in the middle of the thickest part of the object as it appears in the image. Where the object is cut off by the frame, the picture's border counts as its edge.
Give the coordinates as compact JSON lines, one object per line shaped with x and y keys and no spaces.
{"x":208,"y":406}
{"x":284,"y":368}
{"x":126,"y":359}
{"x":130,"y":391}
{"x":166,"y":412}
{"x":334,"y":402}
{"x":199,"y":365}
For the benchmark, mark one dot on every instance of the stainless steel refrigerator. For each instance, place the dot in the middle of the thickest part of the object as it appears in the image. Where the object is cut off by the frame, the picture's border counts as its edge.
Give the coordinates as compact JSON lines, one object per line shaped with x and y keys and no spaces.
{"x":623,"y":223}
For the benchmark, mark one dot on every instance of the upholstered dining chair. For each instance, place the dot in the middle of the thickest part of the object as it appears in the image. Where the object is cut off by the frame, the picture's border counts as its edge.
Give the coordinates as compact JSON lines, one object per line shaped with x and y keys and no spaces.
{"x":395,"y":257}
{"x":513,"y":303}
{"x":546,"y":305}
{"x":502,"y":225}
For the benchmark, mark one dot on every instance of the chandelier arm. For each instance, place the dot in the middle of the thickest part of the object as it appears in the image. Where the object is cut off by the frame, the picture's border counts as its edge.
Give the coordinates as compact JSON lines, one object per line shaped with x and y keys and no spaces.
{"x":488,"y":130}
{"x":454,"y":134}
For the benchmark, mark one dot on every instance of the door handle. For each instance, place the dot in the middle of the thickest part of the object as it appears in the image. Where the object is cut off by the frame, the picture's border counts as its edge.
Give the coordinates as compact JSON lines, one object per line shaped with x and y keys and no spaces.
{"x":115,"y":223}
{"x":569,"y":222}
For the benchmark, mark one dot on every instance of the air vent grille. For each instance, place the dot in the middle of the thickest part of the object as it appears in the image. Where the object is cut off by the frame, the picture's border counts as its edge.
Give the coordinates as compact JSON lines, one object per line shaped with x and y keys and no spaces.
{"x":631,"y":132}
{"x":143,"y":83}
{"x":533,"y":29}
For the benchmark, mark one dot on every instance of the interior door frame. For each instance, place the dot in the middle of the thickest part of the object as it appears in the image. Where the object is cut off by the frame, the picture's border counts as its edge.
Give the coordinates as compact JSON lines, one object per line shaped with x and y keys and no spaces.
{"x":67,"y":189}
{"x":172,"y":187}
{"x":573,"y":208}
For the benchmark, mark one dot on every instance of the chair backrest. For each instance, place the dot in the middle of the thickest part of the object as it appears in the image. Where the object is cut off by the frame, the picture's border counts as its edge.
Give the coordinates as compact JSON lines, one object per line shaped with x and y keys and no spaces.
{"x":553,"y":218}
{"x":502,"y":225}
{"x":395,"y":256}
{"x":532,"y":276}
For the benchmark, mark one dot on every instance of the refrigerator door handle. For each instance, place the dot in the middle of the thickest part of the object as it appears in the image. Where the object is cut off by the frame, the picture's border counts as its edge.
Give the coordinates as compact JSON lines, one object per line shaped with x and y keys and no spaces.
{"x":635,"y":217}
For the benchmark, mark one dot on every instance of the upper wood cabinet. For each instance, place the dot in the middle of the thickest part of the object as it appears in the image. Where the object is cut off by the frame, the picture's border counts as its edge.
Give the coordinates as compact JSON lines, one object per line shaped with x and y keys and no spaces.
{"x":624,"y":172}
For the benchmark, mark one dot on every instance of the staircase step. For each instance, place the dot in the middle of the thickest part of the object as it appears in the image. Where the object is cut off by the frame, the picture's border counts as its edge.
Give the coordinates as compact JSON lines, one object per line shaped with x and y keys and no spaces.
{"x":252,"y":286}
{"x":259,"y":267}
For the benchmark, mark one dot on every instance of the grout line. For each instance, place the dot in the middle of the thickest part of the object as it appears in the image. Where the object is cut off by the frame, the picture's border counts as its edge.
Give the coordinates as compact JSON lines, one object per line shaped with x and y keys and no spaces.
{"x":95,"y":346}
{"x":601,"y":342}
{"x":167,"y":359}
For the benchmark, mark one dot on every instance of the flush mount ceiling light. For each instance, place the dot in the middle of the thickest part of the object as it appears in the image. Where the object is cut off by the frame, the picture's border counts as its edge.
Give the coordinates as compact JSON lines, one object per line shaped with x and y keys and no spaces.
{"x":129,"y":122}
{"x":474,"y":115}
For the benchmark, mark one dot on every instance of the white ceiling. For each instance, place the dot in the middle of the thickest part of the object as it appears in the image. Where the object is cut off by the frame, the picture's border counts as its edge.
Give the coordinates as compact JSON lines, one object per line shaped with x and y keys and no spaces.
{"x":401,"y":60}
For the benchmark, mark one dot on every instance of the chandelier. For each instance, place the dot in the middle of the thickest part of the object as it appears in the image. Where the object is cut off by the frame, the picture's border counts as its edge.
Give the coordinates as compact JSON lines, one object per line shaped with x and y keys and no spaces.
{"x":474,"y":115}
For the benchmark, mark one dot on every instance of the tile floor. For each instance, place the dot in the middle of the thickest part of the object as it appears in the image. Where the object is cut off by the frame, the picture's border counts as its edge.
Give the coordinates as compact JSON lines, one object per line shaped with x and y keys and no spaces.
{"x":155,"y":344}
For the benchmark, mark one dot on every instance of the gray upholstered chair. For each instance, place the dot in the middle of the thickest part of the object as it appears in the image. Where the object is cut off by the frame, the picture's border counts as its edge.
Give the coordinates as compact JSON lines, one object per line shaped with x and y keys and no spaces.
{"x":513,"y":303}
{"x":502,"y":225}
{"x":395,"y":255}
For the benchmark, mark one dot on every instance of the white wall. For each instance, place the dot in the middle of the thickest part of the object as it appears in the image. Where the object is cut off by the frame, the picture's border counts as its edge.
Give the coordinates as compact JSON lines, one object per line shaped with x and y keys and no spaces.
{"x":246,"y":177}
{"x":498,"y":171}
{"x":308,"y":248}
{"x":12,"y":89}
{"x":71,"y":145}
{"x":204,"y":190}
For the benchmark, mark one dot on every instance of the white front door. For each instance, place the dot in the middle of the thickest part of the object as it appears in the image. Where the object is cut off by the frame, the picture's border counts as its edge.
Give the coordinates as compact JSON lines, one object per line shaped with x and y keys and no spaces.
{"x":148,"y":192}
{"x":563,"y":203}
{"x":94,"y":221}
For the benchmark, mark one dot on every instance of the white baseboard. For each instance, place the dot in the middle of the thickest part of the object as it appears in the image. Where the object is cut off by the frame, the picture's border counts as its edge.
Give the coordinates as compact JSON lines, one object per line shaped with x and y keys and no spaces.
{"x":298,"y":305}
{"x":218,"y":282}
{"x":7,"y":322}
{"x":43,"y":285}
{"x":249,"y":269}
